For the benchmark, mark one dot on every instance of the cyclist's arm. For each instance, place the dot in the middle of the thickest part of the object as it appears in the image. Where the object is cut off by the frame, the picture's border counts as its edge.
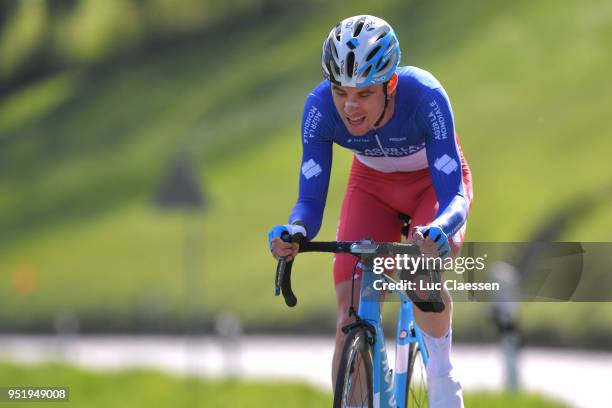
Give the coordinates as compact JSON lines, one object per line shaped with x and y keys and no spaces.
{"x":317,"y":128}
{"x":435,"y":119}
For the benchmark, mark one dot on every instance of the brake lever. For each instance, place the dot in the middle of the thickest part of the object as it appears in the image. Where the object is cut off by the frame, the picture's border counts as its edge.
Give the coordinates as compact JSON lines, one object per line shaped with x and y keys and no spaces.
{"x":280,"y":267}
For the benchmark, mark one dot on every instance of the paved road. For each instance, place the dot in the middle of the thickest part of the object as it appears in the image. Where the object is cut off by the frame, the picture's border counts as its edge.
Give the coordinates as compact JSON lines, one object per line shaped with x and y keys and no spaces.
{"x":583,"y":379}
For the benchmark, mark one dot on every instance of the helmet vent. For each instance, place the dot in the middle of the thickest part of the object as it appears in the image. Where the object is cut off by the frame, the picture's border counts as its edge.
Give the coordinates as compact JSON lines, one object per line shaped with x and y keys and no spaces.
{"x":358,"y":27}
{"x":350,"y":61}
{"x":384,"y":66}
{"x":385,"y":32}
{"x":373,"y":53}
{"x":334,"y":50}
{"x":338,"y":31}
{"x":335,"y":70}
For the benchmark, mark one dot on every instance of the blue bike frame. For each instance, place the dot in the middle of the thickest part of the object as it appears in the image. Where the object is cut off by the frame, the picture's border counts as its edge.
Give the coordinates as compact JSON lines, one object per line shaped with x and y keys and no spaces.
{"x":389,"y":392}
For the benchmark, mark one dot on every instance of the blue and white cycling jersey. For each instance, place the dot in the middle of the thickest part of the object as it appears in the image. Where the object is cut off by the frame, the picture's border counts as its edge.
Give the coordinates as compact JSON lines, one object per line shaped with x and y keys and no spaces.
{"x":420,"y":134}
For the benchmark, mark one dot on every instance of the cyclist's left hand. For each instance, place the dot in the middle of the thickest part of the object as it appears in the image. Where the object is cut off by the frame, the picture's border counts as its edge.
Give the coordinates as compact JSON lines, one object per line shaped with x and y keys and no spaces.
{"x":432,"y":241}
{"x":279,"y":247}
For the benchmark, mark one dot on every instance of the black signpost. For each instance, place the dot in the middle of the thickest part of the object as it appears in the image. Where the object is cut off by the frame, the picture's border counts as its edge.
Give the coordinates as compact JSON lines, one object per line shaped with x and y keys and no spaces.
{"x":180,"y":190}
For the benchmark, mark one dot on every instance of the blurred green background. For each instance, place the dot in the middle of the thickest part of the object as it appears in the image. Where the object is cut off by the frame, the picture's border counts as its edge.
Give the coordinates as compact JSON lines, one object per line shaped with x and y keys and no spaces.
{"x":99,"y":98}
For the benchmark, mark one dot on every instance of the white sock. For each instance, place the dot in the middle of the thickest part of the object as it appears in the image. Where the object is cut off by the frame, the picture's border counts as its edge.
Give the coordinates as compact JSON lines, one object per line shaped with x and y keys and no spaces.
{"x":439,"y":349}
{"x":444,"y":390}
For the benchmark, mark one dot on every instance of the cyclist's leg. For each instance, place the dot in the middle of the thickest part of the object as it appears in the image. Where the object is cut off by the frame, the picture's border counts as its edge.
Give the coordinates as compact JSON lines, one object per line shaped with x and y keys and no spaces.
{"x":363,"y":215}
{"x":444,"y":390}
{"x":434,"y":324}
{"x":438,"y":324}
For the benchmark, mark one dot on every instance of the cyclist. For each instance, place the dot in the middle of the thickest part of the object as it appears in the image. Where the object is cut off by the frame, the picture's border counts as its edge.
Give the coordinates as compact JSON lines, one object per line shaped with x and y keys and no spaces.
{"x":399,"y":123}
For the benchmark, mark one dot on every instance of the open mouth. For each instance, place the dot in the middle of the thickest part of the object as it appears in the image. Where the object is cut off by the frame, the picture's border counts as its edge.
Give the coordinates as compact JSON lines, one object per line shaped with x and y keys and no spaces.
{"x":357,"y":121}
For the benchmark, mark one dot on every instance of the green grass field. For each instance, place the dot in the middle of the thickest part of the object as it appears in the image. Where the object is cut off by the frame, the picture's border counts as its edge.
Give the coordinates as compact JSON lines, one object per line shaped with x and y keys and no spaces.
{"x":136,"y":389}
{"x":82,"y":153}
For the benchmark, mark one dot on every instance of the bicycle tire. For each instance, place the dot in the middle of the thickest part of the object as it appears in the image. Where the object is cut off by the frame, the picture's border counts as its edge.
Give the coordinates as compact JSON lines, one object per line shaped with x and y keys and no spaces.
{"x":416,"y":383}
{"x":356,"y":346}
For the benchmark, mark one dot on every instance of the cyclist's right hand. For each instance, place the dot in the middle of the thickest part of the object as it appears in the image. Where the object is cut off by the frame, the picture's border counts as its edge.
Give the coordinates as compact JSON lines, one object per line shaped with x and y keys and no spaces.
{"x":278,"y":247}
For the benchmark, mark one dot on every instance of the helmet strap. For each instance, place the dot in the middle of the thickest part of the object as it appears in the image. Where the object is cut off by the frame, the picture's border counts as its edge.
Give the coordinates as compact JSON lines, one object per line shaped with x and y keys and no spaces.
{"x":382,"y":114}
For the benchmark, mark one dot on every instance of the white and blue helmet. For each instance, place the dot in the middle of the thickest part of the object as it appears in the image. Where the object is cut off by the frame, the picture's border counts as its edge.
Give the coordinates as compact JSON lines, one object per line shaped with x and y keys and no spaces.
{"x":360,"y":51}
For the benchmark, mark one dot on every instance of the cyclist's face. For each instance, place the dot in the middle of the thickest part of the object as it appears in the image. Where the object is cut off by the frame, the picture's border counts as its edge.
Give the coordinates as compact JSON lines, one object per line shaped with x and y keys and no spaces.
{"x":359,"y":108}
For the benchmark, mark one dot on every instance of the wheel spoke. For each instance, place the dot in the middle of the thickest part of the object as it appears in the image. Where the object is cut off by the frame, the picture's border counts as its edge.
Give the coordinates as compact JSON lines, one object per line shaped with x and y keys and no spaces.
{"x":418,"y":380}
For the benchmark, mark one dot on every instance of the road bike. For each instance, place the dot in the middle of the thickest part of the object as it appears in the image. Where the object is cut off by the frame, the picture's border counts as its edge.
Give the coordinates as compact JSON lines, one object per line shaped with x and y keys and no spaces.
{"x":364,"y":378}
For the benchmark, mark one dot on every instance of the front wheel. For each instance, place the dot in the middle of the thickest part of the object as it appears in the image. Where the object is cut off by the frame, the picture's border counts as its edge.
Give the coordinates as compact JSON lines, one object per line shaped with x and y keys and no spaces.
{"x":416,"y":384}
{"x":354,"y":381}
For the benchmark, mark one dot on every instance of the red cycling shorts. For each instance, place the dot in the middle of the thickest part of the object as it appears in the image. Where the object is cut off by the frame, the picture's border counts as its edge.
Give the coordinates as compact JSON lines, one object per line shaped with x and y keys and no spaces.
{"x":373,"y":201}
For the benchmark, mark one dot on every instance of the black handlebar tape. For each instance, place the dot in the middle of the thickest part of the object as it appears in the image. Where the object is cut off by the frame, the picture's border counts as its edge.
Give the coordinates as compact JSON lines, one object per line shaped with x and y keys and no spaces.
{"x":284,"y":272}
{"x":341,"y":247}
{"x":290,"y":298}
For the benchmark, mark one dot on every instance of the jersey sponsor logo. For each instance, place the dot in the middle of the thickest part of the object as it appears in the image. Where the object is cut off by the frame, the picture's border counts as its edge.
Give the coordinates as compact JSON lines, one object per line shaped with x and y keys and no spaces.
{"x":393,"y":151}
{"x":446,"y":164}
{"x":438,"y":124}
{"x":397,"y":139}
{"x":311,"y":169}
{"x":313,"y":118}
{"x":358,"y":140}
